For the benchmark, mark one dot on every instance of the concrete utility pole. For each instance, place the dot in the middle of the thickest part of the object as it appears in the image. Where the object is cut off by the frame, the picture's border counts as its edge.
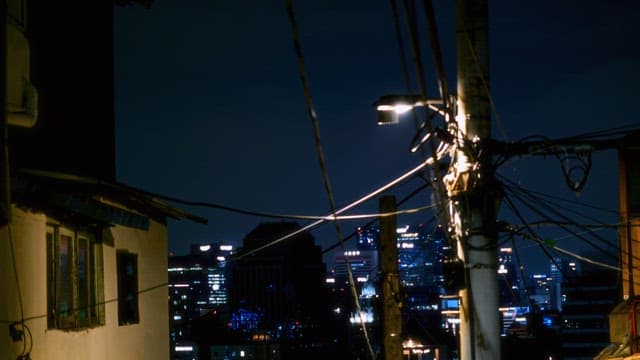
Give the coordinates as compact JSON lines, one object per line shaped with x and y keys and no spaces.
{"x":473,"y":192}
{"x":390,"y":282}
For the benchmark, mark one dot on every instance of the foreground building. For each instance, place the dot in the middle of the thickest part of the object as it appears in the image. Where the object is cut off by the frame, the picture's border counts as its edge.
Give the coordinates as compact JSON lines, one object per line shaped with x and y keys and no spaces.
{"x":82,"y":257}
{"x":84,"y":266}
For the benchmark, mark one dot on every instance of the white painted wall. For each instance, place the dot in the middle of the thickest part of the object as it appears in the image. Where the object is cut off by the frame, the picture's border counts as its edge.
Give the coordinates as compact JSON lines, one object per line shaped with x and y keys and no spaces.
{"x":147,"y":340}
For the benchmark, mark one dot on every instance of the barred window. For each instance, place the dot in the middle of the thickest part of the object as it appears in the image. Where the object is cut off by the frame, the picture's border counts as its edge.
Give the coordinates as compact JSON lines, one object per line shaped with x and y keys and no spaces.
{"x":75,"y":285}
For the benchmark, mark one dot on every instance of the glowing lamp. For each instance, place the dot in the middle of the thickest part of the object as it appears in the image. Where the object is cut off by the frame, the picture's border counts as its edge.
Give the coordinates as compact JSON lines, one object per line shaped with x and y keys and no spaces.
{"x":390,"y":107}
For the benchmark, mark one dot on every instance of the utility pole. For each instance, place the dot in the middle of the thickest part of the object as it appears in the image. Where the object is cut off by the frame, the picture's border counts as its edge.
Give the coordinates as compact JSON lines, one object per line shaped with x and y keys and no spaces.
{"x":629,"y":233}
{"x":390,"y":282}
{"x":472,"y":190}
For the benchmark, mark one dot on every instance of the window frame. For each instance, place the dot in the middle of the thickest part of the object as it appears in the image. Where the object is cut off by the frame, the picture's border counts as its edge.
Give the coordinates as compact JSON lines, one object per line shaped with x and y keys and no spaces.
{"x":128,"y":302}
{"x":75,"y":278}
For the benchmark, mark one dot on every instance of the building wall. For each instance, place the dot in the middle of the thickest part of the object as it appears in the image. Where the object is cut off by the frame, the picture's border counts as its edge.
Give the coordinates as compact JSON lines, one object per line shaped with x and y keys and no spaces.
{"x":71,"y":66}
{"x":149,"y":339}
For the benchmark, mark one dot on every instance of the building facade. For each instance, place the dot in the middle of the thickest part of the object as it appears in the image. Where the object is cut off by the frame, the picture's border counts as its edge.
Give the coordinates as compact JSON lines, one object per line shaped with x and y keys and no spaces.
{"x":84,"y":265}
{"x":82,"y":256}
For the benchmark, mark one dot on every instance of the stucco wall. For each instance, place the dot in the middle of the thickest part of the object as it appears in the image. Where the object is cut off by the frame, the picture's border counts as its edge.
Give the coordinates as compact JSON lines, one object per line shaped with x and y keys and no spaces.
{"x":147,"y":340}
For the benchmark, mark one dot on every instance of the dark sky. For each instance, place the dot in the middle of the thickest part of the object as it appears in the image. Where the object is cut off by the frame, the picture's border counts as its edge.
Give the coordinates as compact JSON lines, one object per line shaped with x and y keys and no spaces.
{"x":210,"y":107}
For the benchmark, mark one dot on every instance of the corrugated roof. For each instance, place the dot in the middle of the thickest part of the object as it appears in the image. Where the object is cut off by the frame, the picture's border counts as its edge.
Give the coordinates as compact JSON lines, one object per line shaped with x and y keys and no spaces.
{"x":78,"y":193}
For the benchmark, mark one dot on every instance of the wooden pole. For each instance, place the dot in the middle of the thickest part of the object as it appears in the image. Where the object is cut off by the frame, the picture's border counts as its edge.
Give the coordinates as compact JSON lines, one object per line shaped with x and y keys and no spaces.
{"x":390,"y":282}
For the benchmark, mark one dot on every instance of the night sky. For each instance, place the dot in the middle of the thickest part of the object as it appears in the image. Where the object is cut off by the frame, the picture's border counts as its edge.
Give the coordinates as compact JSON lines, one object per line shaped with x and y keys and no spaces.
{"x":210,"y":107}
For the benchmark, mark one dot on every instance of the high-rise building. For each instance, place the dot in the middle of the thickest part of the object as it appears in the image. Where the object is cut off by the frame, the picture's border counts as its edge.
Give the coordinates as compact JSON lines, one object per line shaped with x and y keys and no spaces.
{"x":420,"y":263}
{"x":420,"y":259}
{"x":197,"y":285}
{"x":588,"y":296}
{"x":363,"y":264}
{"x":368,"y":238}
{"x":421,"y":273}
{"x":508,"y":279}
{"x":278,"y":292}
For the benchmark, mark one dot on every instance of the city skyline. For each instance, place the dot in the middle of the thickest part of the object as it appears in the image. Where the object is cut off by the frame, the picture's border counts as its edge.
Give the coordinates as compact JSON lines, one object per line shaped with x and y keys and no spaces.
{"x":532,"y":304}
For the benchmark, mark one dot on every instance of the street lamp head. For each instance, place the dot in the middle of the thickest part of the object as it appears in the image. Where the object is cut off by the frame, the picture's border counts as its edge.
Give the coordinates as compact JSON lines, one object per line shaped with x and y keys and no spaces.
{"x":389,"y":107}
{"x":388,"y":117}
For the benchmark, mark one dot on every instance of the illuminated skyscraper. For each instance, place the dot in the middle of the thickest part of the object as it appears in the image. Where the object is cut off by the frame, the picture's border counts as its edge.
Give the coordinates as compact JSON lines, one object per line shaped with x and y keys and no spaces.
{"x":508,"y":279}
{"x":420,"y":259}
{"x":368,"y":238}
{"x":197,"y":284}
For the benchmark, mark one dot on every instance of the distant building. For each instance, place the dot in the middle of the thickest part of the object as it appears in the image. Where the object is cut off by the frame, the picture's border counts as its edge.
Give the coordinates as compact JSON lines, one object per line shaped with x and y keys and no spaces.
{"x":508,"y":278}
{"x":420,"y":264}
{"x":363,"y":264}
{"x":278,"y":291}
{"x":367,"y":238}
{"x":197,"y":284}
{"x":544,"y":291}
{"x":420,"y":259}
{"x":588,"y":296}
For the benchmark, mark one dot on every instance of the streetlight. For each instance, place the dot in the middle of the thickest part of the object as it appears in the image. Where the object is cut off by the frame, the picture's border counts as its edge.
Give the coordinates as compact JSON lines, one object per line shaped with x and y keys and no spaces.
{"x":389,"y":107}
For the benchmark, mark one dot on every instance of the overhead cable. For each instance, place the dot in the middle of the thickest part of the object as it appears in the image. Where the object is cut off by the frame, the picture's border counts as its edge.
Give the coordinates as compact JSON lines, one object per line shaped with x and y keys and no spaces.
{"x":369,"y":223}
{"x":564,"y":227}
{"x":530,"y":230}
{"x":323,"y":166}
{"x":288,"y":216}
{"x":567,"y":252}
{"x":355,"y":203}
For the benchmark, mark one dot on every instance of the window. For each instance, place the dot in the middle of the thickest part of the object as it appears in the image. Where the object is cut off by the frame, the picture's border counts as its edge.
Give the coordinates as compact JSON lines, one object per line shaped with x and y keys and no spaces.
{"x":75,"y":288}
{"x":127,"y":288}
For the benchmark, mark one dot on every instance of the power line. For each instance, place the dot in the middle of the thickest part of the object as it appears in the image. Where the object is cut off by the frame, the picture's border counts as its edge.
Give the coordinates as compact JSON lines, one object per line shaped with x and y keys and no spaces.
{"x":403,"y":200}
{"x":321,"y":159}
{"x":619,"y":130}
{"x":586,"y":143}
{"x":434,"y":40}
{"x":293,"y":216}
{"x":355,"y":203}
{"x":530,"y":230}
{"x":579,"y":203}
{"x":552,"y":207}
{"x":567,"y":252}
{"x":41,"y":316}
{"x":564,"y":227}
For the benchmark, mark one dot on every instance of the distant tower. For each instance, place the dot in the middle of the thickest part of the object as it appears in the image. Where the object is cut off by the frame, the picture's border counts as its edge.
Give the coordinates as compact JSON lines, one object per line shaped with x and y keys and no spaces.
{"x":508,"y":279}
